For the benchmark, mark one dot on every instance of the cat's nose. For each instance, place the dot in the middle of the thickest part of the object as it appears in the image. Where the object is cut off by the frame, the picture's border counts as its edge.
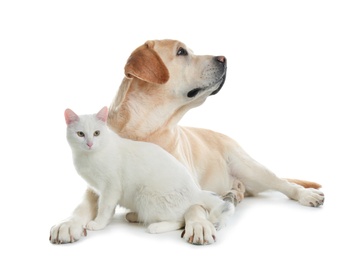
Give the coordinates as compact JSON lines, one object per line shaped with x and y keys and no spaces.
{"x":90,"y":144}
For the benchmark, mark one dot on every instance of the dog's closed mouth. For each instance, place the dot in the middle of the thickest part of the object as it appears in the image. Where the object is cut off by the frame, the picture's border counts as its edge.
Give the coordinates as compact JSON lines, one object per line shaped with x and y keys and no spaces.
{"x":221,"y":84}
{"x":193,"y":92}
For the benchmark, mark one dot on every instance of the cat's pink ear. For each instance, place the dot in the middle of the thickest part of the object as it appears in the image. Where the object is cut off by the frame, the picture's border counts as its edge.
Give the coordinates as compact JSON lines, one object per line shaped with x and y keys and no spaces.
{"x":70,"y":116}
{"x":103,"y":114}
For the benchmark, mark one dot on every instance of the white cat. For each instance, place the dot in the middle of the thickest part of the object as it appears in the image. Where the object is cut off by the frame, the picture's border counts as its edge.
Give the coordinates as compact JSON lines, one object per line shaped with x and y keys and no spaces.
{"x":139,"y":176}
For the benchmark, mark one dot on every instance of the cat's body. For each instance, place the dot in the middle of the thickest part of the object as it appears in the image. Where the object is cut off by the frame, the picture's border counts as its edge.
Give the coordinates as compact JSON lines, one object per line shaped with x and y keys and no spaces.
{"x":136,"y":175}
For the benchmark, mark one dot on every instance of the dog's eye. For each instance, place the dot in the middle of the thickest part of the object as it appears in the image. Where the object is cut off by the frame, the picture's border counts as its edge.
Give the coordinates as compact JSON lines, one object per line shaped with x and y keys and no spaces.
{"x":80,"y":134}
{"x":181,"y":52}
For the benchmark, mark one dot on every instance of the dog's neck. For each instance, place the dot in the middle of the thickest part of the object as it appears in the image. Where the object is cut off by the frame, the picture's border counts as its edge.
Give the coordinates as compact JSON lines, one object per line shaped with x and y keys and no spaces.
{"x":134,"y":114}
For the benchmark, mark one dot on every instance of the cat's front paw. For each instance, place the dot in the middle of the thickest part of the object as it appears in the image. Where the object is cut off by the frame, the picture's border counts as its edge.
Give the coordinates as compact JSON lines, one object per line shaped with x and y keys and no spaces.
{"x":94,"y":225}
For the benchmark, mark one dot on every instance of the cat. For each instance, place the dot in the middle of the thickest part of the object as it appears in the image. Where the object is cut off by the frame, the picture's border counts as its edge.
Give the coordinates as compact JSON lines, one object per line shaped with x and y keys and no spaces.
{"x":139,"y":176}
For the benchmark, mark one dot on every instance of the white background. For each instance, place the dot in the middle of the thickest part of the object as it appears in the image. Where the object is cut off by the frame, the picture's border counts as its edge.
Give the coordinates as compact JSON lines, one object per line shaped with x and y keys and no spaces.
{"x":291,"y":99}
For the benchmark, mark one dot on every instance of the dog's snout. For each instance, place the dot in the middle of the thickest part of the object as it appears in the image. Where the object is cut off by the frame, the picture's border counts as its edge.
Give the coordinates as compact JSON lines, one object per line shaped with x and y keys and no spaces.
{"x":221,"y":59}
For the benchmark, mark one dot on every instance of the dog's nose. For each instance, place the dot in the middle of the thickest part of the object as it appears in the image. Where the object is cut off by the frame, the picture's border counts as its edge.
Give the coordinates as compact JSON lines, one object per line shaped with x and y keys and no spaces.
{"x":221,"y":59}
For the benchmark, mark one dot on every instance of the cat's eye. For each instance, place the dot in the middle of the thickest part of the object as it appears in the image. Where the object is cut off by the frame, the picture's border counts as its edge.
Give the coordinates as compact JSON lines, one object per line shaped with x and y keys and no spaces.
{"x":181,"y":52}
{"x":96,"y":133}
{"x":80,"y":134}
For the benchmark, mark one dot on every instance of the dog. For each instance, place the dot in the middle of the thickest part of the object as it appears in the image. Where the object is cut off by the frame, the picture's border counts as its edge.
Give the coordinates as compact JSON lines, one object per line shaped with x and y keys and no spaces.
{"x":163,"y":80}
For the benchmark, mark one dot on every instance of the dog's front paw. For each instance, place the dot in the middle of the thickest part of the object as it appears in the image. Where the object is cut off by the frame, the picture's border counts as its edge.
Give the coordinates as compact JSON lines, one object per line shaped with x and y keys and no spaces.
{"x":67,"y":231}
{"x":132,"y":217}
{"x":94,"y":225}
{"x":199,"y":232}
{"x":311,"y":197}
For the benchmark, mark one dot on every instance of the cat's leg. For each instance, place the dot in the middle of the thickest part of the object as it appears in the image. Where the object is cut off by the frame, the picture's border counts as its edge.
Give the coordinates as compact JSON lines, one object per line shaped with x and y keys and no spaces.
{"x":219,"y":210}
{"x":71,"y":229}
{"x":107,"y":203}
{"x":198,"y":229}
{"x":165,"y":226}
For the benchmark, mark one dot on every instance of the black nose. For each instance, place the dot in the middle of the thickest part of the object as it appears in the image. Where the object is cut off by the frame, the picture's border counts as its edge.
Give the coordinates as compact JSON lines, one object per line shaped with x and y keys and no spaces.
{"x":220,"y":59}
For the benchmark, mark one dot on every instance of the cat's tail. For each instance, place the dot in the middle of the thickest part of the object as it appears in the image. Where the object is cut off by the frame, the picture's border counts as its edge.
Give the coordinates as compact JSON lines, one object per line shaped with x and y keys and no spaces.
{"x":219,"y":210}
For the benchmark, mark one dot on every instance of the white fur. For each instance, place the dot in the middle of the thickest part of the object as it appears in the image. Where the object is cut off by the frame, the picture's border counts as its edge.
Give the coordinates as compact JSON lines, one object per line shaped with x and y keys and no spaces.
{"x":149,"y":110}
{"x":136,"y":175}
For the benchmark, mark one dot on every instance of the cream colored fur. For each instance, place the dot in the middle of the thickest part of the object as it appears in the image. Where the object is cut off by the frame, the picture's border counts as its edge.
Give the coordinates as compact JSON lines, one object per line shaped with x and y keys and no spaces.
{"x":164,"y":80}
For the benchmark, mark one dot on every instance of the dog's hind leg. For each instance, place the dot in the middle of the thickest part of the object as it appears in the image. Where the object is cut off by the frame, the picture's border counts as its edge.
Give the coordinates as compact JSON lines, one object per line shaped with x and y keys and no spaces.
{"x":257,"y":178}
{"x":236,"y":194}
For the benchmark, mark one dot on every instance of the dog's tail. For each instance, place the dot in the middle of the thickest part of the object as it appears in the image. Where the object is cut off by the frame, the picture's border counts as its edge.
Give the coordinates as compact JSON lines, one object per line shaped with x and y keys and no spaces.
{"x":305,"y":184}
{"x":219,"y":210}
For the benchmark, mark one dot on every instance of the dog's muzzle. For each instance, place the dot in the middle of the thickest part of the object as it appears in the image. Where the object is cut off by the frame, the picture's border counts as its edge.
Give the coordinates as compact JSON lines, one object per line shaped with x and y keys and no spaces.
{"x":221,"y":84}
{"x":222,"y":60}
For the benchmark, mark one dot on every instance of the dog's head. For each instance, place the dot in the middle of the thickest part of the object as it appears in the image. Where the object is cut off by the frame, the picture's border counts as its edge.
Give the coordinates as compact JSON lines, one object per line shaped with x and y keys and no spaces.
{"x":163,"y":80}
{"x":170,"y":69}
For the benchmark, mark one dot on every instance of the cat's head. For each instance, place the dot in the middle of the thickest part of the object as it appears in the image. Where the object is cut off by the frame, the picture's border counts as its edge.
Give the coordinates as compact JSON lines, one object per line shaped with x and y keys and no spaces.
{"x":86,"y":132}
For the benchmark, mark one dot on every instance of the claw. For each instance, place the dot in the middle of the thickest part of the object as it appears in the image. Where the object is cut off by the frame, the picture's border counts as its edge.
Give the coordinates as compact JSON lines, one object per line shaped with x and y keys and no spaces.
{"x":198,"y":242}
{"x":191,"y":239}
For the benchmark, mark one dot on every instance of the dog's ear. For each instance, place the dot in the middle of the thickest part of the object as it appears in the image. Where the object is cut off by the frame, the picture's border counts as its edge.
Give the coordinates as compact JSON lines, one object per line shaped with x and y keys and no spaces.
{"x":145,"y":64}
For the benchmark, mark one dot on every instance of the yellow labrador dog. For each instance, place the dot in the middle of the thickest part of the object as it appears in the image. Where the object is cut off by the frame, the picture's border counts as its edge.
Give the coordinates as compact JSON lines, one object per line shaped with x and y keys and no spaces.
{"x":163,"y":80}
